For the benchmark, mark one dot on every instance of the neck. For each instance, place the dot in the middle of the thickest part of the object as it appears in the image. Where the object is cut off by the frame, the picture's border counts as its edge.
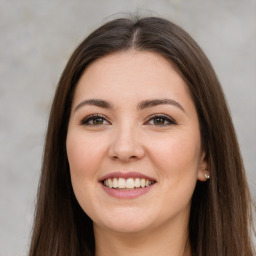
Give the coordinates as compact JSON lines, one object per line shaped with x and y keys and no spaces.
{"x":163,"y":242}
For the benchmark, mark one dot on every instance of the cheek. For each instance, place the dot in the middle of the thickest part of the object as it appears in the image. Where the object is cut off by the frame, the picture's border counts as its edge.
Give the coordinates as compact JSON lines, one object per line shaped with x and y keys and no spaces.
{"x":177,"y":162}
{"x":83,"y":155}
{"x":177,"y":158}
{"x":79,"y":164}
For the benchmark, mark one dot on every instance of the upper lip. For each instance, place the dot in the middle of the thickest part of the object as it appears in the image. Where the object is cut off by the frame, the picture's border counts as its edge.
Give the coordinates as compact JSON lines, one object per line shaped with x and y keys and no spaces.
{"x":125,"y":175}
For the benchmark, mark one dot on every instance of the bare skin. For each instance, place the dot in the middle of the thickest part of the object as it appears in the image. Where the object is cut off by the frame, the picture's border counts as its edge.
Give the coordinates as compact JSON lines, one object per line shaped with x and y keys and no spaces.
{"x":171,"y":242}
{"x":133,"y":113}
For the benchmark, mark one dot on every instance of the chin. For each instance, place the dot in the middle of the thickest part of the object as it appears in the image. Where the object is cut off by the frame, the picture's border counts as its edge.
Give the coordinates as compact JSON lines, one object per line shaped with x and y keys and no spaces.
{"x":125,"y":228}
{"x":129,"y":221}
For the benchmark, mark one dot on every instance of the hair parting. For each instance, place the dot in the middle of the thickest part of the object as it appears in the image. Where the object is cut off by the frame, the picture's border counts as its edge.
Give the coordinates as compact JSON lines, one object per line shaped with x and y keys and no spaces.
{"x":221,"y":217}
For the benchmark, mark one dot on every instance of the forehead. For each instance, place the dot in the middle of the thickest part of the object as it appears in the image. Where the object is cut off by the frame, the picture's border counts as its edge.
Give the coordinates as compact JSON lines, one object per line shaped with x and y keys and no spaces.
{"x":131,"y":74}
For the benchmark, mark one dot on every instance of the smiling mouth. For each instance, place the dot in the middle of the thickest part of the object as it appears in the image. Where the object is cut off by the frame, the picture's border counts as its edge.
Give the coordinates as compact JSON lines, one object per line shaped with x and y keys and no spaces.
{"x":127,"y":184}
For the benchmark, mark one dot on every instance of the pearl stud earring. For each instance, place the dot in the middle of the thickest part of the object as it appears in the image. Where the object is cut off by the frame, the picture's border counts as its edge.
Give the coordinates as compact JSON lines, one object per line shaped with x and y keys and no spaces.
{"x":207,"y":176}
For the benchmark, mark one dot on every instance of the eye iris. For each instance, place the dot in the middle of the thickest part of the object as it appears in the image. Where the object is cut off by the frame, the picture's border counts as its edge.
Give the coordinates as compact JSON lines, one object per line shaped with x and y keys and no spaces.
{"x":159,"y":121}
{"x":98,"y":120}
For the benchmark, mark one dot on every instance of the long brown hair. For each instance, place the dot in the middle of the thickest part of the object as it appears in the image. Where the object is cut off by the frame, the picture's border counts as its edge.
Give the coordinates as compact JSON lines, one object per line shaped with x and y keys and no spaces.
{"x":220,"y":220}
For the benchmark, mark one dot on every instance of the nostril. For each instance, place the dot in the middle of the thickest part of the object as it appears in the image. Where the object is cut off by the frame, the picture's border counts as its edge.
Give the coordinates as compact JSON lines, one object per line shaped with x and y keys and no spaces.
{"x":124,"y":158}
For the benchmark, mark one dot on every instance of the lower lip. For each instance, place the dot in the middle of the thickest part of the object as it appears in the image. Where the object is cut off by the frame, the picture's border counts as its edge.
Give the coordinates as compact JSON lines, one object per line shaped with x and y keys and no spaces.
{"x":127,"y":194}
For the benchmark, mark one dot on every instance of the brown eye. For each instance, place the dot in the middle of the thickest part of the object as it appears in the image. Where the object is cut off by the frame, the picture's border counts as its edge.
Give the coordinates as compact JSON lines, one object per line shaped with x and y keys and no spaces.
{"x":160,"y":120}
{"x":94,"y":120}
{"x":97,"y":121}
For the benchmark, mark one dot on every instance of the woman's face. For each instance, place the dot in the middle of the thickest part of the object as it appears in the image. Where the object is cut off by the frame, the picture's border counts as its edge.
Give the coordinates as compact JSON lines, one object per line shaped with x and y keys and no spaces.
{"x":133,"y":143}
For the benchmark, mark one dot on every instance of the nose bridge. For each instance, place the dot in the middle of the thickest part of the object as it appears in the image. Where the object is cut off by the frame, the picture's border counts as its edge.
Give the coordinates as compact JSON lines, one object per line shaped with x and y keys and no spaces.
{"x":126,"y":144}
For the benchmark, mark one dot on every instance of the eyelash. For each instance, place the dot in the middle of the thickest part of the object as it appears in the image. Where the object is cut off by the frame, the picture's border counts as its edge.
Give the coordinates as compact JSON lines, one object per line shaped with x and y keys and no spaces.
{"x":167,"y":120}
{"x":92,"y":118}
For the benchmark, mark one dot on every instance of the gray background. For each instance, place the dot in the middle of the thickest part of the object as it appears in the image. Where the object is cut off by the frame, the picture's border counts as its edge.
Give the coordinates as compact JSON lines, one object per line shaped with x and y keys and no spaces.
{"x":37,"y":38}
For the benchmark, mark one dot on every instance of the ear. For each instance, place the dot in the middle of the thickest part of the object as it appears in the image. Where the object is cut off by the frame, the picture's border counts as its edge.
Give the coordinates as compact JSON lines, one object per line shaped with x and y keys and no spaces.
{"x":203,"y":170}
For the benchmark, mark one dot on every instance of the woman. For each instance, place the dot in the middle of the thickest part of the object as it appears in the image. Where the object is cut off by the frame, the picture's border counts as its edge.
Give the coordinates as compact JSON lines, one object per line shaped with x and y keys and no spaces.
{"x":141,"y":156}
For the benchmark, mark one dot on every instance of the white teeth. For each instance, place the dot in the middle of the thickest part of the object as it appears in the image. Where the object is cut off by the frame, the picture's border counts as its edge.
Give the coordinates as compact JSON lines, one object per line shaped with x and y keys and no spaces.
{"x":115,"y":184}
{"x":127,"y":183}
{"x":121,"y":183}
{"x":137,"y":183}
{"x":130,"y":183}
{"x":110,"y":184}
{"x":142,"y":183}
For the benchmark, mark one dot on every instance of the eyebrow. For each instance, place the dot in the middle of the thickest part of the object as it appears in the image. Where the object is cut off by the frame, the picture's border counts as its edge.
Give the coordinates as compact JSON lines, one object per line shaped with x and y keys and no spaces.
{"x":94,"y":102}
{"x":156,"y":102}
{"x":142,"y":105}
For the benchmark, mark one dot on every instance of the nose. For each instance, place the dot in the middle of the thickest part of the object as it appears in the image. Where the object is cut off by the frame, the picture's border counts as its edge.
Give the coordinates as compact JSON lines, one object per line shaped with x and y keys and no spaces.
{"x":126,"y":145}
